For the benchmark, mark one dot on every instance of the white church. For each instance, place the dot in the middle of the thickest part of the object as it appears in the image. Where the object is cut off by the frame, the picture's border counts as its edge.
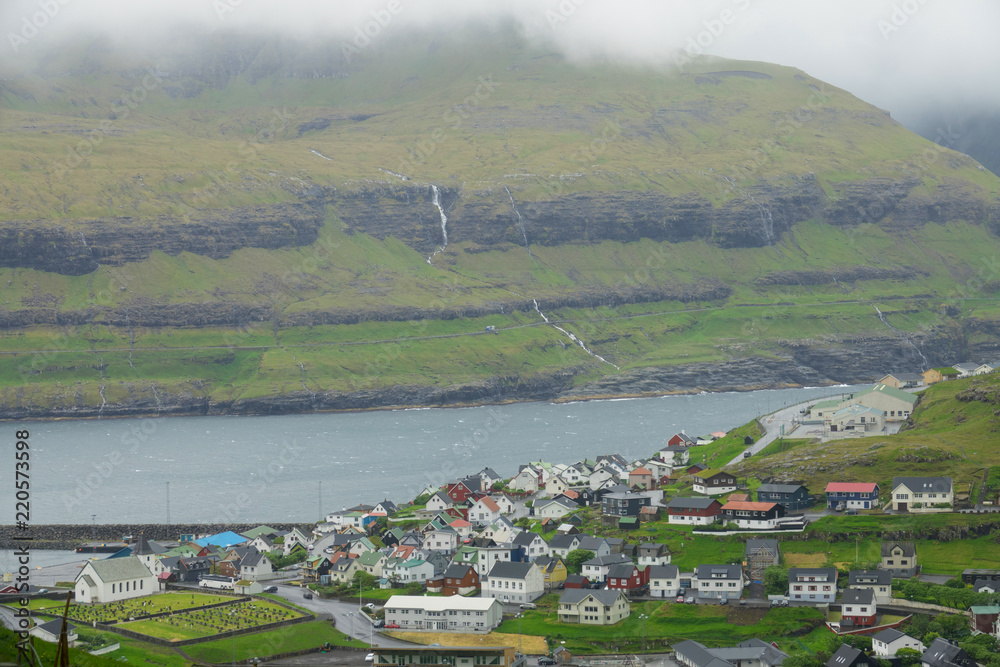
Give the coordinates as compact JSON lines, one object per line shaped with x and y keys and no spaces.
{"x":116,"y":579}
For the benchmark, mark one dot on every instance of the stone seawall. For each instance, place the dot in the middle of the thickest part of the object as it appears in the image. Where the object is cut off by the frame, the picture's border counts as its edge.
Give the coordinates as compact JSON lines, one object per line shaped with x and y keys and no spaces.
{"x":71,"y":536}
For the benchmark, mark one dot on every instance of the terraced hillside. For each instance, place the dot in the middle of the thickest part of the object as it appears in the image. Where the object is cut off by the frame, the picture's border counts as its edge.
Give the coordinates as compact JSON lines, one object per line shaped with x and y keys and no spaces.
{"x":266,"y":227}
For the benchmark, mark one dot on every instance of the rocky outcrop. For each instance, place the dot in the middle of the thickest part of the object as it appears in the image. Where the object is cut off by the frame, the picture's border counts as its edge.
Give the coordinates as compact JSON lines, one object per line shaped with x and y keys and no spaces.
{"x":149,"y":313}
{"x":844,"y":274}
{"x":485,"y":219}
{"x":80,"y":246}
{"x":752,"y":218}
{"x":795,"y":364}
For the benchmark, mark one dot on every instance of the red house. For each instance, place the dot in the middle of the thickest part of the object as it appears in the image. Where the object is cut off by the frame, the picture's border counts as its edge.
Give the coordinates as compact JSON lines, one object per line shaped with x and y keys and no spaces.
{"x":460,"y":580}
{"x":984,"y":617}
{"x":693,"y":511}
{"x":627,"y":577}
{"x":858,"y":608}
{"x":681,"y":439}
{"x":459,"y":492}
{"x":577,"y":581}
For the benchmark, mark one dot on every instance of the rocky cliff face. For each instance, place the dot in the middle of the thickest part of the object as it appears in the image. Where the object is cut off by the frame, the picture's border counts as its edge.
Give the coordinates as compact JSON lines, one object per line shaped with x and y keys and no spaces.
{"x":817,"y":362}
{"x":80,"y":246}
{"x":754,"y":217}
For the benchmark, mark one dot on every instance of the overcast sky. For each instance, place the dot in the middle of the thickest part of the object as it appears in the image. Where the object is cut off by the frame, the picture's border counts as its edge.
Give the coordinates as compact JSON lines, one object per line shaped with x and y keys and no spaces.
{"x":899,"y":54}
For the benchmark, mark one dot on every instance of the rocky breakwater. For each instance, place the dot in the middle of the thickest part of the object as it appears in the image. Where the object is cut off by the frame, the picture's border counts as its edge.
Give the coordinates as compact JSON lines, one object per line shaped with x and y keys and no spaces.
{"x":71,"y":536}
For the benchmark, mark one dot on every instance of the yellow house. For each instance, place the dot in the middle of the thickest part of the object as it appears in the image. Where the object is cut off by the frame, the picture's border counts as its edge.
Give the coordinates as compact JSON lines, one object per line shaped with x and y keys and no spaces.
{"x":938,"y":375}
{"x":553,"y":569}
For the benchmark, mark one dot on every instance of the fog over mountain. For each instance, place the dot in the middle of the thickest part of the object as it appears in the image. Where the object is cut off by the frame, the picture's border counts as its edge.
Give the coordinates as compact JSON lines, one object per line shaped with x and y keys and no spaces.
{"x":927,"y":62}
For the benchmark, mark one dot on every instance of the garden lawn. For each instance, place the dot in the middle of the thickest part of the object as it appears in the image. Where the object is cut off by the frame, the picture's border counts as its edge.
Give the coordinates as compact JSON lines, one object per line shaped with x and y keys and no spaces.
{"x":312,"y":634}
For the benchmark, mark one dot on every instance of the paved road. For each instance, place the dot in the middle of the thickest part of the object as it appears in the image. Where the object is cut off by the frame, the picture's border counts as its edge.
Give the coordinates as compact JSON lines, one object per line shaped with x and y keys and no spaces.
{"x":347,"y":614}
{"x":772,"y":424}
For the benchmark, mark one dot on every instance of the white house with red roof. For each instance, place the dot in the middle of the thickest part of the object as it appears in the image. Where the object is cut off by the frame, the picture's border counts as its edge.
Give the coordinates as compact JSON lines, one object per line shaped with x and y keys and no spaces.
{"x":462,"y":527}
{"x":484,"y":511}
{"x":852,"y":495}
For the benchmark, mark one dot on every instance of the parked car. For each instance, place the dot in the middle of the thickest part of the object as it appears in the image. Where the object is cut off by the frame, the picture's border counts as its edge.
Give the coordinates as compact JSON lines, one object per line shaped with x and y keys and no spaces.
{"x":370,"y":657}
{"x":308,"y":596}
{"x":690,"y":599}
{"x":391,"y":626}
{"x":545,"y":660}
{"x":529,"y":605}
{"x":725,"y":601}
{"x":852,"y":511}
{"x":380,"y":623}
{"x":370,"y":605}
{"x":271,"y":589}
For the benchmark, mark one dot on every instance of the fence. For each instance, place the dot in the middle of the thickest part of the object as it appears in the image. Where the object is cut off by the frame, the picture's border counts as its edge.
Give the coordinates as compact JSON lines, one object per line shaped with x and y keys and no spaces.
{"x":200,"y":640}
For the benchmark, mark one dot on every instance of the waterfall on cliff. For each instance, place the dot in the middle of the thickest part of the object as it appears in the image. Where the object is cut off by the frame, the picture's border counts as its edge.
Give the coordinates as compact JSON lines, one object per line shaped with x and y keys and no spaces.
{"x":444,"y":222}
{"x":902,"y":335}
{"x":573,"y":338}
{"x":520,"y":221}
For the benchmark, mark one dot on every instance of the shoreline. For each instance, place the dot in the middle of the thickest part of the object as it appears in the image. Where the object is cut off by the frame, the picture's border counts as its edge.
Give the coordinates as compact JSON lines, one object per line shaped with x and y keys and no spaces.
{"x":578,"y":398}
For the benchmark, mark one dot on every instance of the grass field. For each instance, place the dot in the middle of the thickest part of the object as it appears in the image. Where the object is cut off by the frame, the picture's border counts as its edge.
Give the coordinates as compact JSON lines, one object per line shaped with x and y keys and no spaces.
{"x":312,"y":634}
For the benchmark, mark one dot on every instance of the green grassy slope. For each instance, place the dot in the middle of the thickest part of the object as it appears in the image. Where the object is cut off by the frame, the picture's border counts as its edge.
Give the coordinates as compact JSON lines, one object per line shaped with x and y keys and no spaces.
{"x":471,"y":119}
{"x":953,"y":432}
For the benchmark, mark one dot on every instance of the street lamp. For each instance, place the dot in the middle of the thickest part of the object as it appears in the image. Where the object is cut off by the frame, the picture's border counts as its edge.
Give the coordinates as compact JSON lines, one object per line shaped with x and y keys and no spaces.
{"x":520,"y":637}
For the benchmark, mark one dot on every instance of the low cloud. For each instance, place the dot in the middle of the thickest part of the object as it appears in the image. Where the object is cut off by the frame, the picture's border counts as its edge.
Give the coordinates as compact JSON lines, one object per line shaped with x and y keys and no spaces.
{"x":903,"y":55}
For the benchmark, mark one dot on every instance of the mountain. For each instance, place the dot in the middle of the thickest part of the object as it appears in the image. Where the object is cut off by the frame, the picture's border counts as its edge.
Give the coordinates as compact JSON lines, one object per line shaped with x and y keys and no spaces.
{"x":249,"y":224}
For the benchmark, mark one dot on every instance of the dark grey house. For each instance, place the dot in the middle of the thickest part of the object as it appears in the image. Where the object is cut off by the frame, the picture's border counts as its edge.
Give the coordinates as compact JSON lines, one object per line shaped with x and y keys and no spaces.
{"x":791,"y":496}
{"x":624,"y":504}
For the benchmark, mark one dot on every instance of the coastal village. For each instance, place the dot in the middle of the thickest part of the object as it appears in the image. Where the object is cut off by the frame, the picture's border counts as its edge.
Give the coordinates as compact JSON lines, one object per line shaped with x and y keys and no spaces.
{"x":566,"y":545}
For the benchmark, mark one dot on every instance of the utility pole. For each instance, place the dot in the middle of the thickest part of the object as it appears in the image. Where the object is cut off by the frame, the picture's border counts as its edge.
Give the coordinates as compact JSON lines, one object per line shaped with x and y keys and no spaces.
{"x":168,"y":503}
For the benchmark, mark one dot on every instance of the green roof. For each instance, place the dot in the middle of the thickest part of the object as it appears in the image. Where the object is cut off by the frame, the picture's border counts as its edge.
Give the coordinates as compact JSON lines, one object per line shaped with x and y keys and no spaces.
{"x":828,"y":404}
{"x":119,"y":569}
{"x":888,"y":391}
{"x":985,"y":609}
{"x":260,"y":530}
{"x":370,"y":558}
{"x":946,"y":370}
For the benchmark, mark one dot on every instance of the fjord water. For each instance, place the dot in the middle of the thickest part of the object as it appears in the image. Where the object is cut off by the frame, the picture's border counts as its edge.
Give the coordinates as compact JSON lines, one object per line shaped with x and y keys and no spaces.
{"x":299,"y":467}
